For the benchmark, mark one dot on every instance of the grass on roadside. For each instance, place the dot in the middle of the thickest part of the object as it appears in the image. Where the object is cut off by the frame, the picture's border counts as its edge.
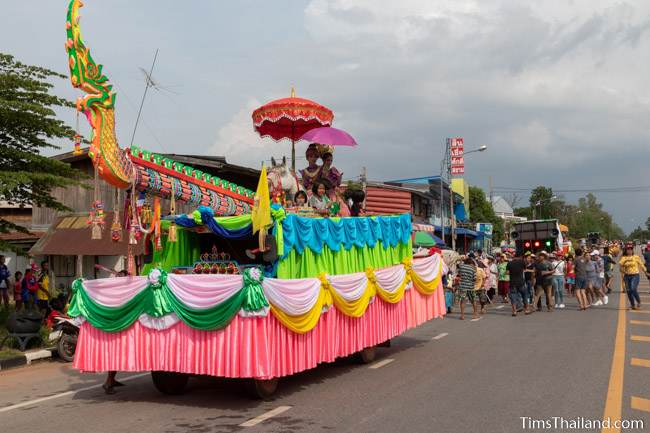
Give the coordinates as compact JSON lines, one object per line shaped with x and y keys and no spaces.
{"x":9,"y":353}
{"x":11,"y":343}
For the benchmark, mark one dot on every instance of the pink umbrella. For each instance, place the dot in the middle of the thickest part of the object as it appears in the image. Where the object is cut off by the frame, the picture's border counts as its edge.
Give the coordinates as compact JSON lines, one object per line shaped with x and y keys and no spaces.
{"x":329,"y":136}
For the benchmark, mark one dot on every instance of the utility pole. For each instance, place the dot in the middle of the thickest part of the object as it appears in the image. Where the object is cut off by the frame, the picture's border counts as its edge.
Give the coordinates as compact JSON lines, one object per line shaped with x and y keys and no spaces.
{"x":364,"y":182}
{"x":491,"y":191}
{"x":452,"y":216}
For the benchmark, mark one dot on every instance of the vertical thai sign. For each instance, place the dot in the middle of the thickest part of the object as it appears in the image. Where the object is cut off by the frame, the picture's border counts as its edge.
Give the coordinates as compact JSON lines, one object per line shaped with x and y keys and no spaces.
{"x":456,"y":152}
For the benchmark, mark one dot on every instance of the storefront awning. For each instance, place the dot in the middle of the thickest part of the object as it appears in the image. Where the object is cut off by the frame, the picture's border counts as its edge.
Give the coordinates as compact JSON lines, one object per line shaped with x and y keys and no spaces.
{"x":70,"y":235}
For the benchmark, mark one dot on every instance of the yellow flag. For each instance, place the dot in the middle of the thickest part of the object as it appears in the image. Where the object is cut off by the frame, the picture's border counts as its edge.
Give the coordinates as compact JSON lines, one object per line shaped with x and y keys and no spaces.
{"x":261,"y":215}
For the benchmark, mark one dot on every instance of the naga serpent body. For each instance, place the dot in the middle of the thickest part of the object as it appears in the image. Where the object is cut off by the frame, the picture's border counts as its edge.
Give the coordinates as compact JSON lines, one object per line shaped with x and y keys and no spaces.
{"x":123,"y":169}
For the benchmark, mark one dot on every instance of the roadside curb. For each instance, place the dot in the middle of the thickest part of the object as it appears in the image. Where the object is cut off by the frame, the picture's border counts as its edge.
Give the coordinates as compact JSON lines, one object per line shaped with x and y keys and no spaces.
{"x":25,"y":359}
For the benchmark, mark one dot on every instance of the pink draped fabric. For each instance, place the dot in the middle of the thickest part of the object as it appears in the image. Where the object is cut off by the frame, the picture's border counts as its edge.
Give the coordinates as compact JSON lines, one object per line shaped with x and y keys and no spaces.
{"x":204,"y":291}
{"x":259,"y":347}
{"x":113,"y":292}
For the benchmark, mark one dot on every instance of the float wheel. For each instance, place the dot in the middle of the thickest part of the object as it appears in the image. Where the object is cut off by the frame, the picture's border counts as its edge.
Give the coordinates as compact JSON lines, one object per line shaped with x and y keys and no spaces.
{"x":168,"y":382}
{"x":367,"y":355}
{"x":264,"y":388}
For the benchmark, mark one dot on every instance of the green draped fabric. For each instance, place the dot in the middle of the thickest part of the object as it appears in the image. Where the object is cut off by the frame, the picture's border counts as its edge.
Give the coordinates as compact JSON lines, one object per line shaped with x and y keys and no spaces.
{"x":184,"y":252}
{"x":310,"y":264}
{"x":110,"y":319}
{"x":159,"y":301}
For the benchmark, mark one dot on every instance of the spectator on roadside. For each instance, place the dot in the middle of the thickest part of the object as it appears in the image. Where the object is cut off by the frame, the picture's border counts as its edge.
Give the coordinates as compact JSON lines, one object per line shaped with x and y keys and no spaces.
{"x":493,"y":274}
{"x":467,"y":273}
{"x":29,"y":286}
{"x":559,"y":267}
{"x":570,"y":274}
{"x":646,"y":258}
{"x":18,"y":289}
{"x":580,"y":266}
{"x":504,"y":278}
{"x":43,"y":292}
{"x":479,"y":285}
{"x":4,"y":282}
{"x":590,"y":267}
{"x":529,"y":277}
{"x":543,"y":281}
{"x":608,"y":262}
{"x":599,"y":283}
{"x":631,"y":266}
{"x":518,"y":292}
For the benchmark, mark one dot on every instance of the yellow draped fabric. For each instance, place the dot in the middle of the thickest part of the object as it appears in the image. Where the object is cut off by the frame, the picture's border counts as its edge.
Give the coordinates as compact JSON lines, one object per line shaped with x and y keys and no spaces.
{"x":424,"y":287}
{"x":350,"y":308}
{"x":386,"y":296}
{"x":305,"y":322}
{"x":328,"y":296}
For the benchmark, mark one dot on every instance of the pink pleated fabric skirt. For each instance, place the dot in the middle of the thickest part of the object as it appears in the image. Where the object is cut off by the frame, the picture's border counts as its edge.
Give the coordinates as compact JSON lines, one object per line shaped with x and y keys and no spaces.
{"x":257,"y":347}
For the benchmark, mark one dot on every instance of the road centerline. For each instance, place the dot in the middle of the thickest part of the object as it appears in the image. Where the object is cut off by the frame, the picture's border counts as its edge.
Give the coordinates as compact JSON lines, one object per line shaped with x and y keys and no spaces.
{"x":381,"y":363}
{"x":614,"y":401}
{"x":440,"y":336}
{"x":266,"y":415}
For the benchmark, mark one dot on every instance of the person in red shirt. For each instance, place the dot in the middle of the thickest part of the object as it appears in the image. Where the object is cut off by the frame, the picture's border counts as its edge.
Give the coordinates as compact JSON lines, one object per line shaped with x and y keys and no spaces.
{"x":18,"y":288}
{"x":570,"y":274}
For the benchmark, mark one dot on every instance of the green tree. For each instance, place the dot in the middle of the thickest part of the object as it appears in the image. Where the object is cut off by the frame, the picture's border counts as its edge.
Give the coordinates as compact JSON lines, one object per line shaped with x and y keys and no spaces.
{"x":541,"y":199}
{"x":640,"y":234}
{"x":481,"y":211}
{"x":28,"y":126}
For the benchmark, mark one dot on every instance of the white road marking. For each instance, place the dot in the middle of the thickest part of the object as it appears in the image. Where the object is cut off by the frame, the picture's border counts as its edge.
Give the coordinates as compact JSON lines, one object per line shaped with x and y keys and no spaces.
{"x":270,"y":414}
{"x":440,"y":336}
{"x":380,"y":364}
{"x":63,"y":394}
{"x":500,"y":307}
{"x":476,"y":320}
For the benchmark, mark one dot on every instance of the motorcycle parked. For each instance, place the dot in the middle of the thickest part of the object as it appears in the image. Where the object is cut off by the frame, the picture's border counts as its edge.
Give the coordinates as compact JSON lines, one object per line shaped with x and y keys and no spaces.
{"x":65,"y":332}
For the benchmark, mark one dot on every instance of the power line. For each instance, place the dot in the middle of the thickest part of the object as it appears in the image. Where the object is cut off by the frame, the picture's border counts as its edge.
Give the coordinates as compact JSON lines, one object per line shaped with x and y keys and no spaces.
{"x":582,"y":189}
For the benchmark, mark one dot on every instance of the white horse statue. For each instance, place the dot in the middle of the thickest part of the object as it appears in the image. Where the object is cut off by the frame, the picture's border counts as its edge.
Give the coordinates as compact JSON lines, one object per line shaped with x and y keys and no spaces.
{"x":283,"y":182}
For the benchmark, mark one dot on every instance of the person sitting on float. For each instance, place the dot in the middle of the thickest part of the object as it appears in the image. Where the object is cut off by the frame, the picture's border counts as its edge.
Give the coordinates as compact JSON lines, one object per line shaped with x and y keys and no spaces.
{"x":336,"y":196}
{"x":329,"y":172}
{"x":300,"y":199}
{"x":312,"y":172}
{"x":320,"y":200}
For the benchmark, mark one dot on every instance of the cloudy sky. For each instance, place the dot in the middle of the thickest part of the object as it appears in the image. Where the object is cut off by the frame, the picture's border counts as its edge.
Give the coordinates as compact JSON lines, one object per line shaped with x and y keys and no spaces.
{"x":557,"y":89}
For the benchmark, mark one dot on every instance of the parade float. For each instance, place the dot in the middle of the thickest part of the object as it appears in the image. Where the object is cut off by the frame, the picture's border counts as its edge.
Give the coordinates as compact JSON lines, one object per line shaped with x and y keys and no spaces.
{"x":242,"y":287}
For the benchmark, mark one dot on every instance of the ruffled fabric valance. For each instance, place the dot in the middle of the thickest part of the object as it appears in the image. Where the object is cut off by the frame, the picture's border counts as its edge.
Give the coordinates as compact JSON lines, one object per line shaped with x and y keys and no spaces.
{"x":209,"y":302}
{"x":315,"y":233}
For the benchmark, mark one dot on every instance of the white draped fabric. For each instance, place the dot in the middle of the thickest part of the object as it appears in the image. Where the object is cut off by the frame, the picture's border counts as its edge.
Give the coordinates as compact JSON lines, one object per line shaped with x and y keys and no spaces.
{"x":427,"y":268}
{"x":391,"y":278}
{"x":294,"y":297}
{"x":114,"y":292}
{"x":204,"y":291}
{"x":159,"y":323}
{"x":351,"y":286}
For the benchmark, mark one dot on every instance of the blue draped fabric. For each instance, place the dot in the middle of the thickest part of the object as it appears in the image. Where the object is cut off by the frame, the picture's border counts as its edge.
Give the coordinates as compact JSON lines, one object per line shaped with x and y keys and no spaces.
{"x":207,"y":217}
{"x":315,"y":233}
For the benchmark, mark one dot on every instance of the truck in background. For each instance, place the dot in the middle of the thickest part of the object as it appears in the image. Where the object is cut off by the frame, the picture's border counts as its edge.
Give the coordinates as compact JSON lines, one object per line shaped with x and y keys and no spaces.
{"x":536,"y":236}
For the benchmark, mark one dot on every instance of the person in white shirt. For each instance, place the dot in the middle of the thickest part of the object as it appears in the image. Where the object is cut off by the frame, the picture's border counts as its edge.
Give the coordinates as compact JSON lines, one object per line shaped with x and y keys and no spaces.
{"x":559,"y":267}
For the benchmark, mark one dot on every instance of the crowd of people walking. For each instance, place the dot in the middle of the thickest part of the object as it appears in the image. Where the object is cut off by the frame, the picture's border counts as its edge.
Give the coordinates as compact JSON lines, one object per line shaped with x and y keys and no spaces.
{"x":528,"y":280}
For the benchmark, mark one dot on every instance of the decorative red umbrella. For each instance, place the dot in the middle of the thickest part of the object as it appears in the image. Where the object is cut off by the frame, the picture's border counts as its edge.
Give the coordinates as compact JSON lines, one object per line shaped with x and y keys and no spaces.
{"x":290,"y":118}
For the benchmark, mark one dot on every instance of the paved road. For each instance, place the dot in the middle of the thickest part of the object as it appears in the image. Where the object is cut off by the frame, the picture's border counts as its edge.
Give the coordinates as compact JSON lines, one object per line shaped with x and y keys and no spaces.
{"x":445,"y":376}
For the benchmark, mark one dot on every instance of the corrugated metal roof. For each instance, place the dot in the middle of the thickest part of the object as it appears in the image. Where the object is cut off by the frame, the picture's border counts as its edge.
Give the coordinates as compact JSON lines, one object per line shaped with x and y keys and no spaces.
{"x":70,"y":235}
